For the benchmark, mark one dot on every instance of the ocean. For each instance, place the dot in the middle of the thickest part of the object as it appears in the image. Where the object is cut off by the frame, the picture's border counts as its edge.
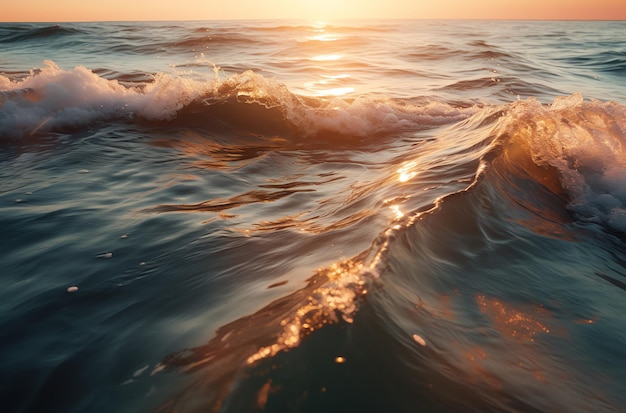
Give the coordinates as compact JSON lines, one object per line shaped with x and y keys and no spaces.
{"x":286,"y":216}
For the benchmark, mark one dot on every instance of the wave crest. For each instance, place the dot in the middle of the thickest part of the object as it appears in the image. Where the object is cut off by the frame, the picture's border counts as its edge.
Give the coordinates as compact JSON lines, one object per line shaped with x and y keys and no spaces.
{"x":40,"y":33}
{"x":584,"y":141}
{"x":52,"y":99}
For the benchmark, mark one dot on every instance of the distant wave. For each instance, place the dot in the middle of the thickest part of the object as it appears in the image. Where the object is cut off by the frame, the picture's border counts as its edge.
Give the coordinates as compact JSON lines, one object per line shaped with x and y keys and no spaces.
{"x":604,"y":62}
{"x":327,"y":27}
{"x":216,"y":39}
{"x":24,"y":34}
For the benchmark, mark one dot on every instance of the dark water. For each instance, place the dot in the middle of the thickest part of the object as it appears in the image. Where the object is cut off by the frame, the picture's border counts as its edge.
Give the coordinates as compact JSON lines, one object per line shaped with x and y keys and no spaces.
{"x":381,"y":216}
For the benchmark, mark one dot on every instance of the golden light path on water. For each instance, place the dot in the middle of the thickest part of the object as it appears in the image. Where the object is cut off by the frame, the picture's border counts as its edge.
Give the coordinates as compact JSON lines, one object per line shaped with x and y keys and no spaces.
{"x":326,"y":57}
{"x":328,"y":84}
{"x":407,"y":171}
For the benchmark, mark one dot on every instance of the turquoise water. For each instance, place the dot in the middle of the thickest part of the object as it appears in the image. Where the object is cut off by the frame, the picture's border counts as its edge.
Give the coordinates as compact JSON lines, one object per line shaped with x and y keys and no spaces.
{"x":283,"y":216}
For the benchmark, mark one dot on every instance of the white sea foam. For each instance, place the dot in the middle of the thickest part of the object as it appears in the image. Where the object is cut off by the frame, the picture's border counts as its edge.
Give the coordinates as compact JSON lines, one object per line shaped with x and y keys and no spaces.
{"x":586,"y":142}
{"x":53,"y":98}
{"x":362,"y":116}
{"x":367,"y":116}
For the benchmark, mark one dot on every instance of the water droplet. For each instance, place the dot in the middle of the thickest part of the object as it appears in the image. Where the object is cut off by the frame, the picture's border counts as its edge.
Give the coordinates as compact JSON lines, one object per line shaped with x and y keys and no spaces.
{"x":419,"y":340}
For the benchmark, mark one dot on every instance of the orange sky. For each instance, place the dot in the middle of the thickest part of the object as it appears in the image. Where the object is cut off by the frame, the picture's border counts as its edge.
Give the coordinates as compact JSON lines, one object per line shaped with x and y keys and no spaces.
{"x":105,"y":10}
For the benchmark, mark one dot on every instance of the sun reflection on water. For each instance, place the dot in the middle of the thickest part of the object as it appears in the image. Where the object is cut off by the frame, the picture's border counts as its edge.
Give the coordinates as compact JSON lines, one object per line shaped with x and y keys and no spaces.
{"x":407,"y":171}
{"x":326,"y":57}
{"x":333,"y":300}
{"x":323,"y":37}
{"x":321,"y":88}
{"x":396,"y":210}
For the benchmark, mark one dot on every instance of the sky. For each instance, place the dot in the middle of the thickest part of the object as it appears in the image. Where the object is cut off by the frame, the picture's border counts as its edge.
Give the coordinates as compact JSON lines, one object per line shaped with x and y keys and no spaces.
{"x":114,"y":10}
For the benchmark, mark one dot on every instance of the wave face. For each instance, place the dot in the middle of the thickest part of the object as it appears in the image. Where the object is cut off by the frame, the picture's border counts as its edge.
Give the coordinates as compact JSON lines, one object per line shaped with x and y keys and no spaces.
{"x":281,"y":217}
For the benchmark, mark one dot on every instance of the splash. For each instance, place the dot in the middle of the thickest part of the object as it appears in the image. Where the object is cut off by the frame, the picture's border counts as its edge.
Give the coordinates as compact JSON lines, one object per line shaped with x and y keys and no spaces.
{"x":336,"y":298}
{"x":52,"y":99}
{"x":584,"y":142}
{"x":55,"y":99}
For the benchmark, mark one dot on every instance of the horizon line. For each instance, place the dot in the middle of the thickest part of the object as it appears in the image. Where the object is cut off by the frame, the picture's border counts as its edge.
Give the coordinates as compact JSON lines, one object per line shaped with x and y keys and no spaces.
{"x":319,"y":20}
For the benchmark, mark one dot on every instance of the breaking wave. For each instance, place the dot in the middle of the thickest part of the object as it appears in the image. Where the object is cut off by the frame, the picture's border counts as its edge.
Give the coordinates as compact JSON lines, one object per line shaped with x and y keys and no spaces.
{"x":525,"y":170}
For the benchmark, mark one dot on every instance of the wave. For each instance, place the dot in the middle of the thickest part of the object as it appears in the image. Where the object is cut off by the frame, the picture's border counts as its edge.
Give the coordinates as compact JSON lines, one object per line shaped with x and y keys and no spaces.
{"x":583,"y":140}
{"x":613,"y":62}
{"x":437,"y":52}
{"x":63,"y":100}
{"x":477,"y":235}
{"x":477,"y":180}
{"x":586,"y":143}
{"x":216,"y":39}
{"x":521,"y":168}
{"x":48,"y":32}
